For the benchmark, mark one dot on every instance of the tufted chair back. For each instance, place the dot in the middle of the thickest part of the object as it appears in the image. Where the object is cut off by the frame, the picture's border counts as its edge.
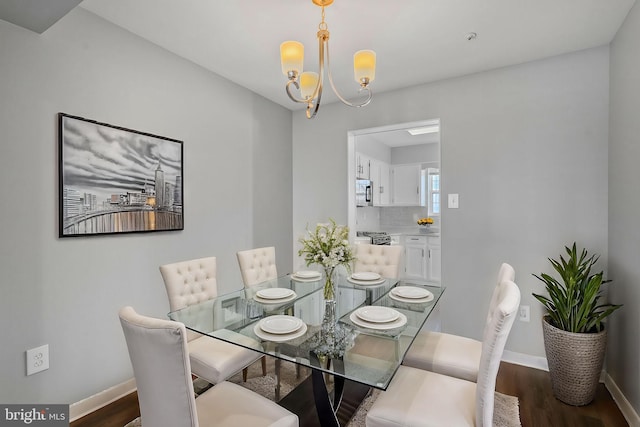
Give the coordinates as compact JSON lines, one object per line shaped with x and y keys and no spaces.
{"x":381,"y":259}
{"x":257,"y":265}
{"x":190,"y":282}
{"x":506,"y":273}
{"x":493,"y":342}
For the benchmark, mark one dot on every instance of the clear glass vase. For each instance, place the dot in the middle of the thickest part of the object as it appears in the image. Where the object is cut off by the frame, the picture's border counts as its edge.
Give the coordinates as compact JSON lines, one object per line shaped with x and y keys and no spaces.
{"x":328,"y":331}
{"x":329,"y":283}
{"x":329,"y":319}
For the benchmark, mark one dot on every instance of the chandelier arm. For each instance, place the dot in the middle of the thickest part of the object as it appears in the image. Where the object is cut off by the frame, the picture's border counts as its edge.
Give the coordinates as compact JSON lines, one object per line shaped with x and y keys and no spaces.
{"x":316,"y":107}
{"x":317,"y":93}
{"x":335,"y":90}
{"x":291,"y":96}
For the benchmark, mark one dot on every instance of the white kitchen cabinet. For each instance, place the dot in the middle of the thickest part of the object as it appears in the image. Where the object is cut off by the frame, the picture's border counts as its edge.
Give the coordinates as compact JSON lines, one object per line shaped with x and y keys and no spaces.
{"x":406,"y":185}
{"x":363,"y":166}
{"x":422,"y":259}
{"x":379,"y":173}
{"x":434,"y":259}
{"x":348,"y":299}
{"x":311,"y":308}
{"x":415,"y":257}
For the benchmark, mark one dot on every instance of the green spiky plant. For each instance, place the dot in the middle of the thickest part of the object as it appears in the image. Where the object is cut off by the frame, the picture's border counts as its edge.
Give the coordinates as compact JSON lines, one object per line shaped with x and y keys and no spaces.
{"x":573,"y":303}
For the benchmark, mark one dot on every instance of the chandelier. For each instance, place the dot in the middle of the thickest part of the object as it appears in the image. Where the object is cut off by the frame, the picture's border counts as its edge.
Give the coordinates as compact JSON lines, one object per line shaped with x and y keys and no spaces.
{"x":309,"y":83}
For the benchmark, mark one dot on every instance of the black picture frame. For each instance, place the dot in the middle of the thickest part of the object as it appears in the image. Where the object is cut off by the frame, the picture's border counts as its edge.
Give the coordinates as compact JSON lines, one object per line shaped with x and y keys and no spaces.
{"x":114,"y":180}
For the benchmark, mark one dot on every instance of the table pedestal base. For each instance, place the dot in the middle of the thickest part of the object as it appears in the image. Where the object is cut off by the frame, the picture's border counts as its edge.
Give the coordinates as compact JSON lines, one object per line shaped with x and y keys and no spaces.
{"x":301,"y":402}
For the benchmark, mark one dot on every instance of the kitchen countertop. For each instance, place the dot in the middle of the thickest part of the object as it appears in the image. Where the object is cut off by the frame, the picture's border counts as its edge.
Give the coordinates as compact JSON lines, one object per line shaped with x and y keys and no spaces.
{"x":412,"y":230}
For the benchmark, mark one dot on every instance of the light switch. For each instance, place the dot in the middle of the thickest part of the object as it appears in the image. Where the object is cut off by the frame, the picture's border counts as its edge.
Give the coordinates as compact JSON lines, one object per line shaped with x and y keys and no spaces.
{"x":453,"y":201}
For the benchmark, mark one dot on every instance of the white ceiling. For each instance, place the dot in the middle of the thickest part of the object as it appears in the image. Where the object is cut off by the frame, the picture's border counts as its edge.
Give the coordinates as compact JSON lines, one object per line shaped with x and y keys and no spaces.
{"x":417,"y":41}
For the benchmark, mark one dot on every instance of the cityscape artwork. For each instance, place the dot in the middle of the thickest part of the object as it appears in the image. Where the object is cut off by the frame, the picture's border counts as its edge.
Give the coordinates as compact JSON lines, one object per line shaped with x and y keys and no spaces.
{"x":117,"y":180}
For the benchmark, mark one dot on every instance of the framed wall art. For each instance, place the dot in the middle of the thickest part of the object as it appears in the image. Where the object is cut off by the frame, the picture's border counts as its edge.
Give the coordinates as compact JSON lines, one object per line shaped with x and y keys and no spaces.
{"x":117,"y":180}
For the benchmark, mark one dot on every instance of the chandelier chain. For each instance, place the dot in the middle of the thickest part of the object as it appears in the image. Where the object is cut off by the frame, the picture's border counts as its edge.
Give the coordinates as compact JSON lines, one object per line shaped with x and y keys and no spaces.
{"x":322,"y":25}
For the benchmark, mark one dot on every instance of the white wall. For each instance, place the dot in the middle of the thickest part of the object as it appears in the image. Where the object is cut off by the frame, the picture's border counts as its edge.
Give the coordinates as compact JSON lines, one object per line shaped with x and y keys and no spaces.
{"x":525,"y":147}
{"x":66,"y":292}
{"x":623,"y":356}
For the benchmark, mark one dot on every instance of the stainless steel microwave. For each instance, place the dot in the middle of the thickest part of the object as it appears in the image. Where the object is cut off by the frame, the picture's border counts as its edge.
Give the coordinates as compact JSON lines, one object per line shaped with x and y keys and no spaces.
{"x":364,"y":192}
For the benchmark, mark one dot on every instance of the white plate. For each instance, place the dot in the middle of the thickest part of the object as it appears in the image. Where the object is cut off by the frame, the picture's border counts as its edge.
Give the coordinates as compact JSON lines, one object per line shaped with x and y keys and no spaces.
{"x":377,"y":314}
{"x":366,"y":282}
{"x":274,"y":293}
{"x":411,"y":292}
{"x":399,"y":322}
{"x":307,"y":274}
{"x":275,"y":301}
{"x":280,"y":324}
{"x":304,"y":279}
{"x":279,"y":337}
{"x":366,"y":275}
{"x":411,"y":300}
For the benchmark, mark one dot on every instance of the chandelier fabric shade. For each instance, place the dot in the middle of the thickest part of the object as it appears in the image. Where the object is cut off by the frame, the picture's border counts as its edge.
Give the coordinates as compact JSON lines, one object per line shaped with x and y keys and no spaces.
{"x":310,"y":84}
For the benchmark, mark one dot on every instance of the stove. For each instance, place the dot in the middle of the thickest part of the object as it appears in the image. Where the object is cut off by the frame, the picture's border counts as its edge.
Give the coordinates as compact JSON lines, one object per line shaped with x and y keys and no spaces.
{"x":377,"y":237}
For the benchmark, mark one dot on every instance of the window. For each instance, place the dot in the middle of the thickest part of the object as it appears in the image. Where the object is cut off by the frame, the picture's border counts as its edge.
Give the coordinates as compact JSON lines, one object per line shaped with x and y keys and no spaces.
{"x":434,"y":191}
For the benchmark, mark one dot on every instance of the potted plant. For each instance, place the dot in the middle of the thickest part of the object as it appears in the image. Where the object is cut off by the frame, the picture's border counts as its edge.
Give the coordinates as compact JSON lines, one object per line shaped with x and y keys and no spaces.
{"x":574,"y":332}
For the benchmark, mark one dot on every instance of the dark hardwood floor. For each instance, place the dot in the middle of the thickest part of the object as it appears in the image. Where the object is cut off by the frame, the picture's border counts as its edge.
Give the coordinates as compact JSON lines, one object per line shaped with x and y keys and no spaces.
{"x":116,"y":414}
{"x":538,"y":406}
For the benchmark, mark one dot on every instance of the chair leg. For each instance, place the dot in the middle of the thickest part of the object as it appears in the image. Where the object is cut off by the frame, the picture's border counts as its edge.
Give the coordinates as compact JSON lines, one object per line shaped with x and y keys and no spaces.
{"x":245,"y":371}
{"x":277,"y":372}
{"x":264,"y":366}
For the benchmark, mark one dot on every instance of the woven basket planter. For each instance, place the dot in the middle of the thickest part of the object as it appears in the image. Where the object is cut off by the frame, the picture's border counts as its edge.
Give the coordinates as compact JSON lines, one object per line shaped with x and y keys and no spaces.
{"x":575,"y":362}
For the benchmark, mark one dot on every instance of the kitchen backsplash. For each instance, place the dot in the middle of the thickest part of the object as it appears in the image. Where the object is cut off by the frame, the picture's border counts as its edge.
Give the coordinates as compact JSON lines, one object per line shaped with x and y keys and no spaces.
{"x":375,"y":218}
{"x":368,"y":218}
{"x":402,"y":216}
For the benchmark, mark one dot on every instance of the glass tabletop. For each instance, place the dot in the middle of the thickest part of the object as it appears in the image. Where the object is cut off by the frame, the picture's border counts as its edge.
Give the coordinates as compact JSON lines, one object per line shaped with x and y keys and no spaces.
{"x":377,"y":326}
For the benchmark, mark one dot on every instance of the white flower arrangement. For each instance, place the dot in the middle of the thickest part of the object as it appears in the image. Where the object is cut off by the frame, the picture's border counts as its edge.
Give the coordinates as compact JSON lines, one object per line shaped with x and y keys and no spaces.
{"x":328,"y":246}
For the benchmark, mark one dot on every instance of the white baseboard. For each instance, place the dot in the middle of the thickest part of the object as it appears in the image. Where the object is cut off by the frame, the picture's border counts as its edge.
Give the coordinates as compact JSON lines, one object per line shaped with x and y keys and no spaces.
{"x":626,"y":408}
{"x":93,"y":403}
{"x":525,"y":360}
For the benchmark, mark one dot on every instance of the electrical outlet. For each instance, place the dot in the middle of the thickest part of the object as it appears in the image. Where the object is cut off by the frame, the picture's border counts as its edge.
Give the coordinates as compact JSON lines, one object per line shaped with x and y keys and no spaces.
{"x":37,"y":359}
{"x":524,"y":314}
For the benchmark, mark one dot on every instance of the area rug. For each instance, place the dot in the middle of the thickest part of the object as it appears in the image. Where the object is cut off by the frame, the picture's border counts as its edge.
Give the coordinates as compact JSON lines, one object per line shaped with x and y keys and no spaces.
{"x":506,"y":409}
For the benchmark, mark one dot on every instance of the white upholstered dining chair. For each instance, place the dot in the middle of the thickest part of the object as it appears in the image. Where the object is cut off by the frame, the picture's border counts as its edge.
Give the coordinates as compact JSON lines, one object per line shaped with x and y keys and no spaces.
{"x":449,"y":354}
{"x":160,"y":360}
{"x":257,"y":265}
{"x":420,"y":398}
{"x":191,"y":282}
{"x":381,"y":259}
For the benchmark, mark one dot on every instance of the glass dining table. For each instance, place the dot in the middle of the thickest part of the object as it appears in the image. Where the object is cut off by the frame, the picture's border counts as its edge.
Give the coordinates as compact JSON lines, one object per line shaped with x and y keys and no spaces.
{"x":375,"y":323}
